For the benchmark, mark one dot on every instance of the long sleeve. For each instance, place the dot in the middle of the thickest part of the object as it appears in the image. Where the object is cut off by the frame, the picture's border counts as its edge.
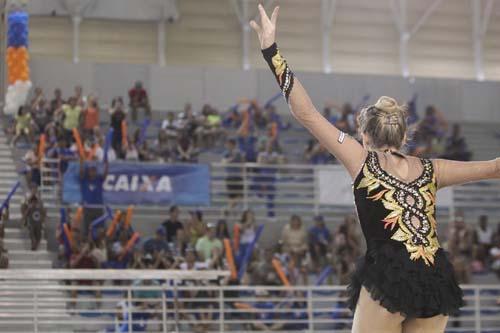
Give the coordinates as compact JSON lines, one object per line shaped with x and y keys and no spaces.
{"x":345,"y":148}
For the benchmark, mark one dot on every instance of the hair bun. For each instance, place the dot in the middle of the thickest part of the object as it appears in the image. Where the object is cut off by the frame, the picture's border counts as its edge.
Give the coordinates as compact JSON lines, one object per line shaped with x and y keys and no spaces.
{"x":388,"y":105}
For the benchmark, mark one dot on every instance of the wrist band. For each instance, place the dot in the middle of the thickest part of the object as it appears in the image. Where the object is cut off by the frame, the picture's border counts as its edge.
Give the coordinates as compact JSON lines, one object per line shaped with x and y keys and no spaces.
{"x":279,"y":66}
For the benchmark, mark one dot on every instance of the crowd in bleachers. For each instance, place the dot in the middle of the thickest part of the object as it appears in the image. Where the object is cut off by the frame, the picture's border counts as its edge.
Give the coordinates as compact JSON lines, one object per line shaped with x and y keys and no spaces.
{"x":474,"y":249}
{"x":250,"y":133}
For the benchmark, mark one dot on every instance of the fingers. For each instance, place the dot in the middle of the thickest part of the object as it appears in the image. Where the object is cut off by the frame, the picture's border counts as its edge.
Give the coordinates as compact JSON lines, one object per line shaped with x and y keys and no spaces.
{"x":255,"y":26}
{"x":263,"y":15}
{"x":274,"y":15}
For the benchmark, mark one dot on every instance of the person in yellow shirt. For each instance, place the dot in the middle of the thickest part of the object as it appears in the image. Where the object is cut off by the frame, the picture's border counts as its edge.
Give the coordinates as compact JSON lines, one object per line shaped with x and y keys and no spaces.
{"x":71,"y":112}
{"x":23,"y":126}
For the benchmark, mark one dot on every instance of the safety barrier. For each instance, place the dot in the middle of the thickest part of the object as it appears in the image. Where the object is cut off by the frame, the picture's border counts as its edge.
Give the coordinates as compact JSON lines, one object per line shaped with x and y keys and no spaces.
{"x":191,"y":301}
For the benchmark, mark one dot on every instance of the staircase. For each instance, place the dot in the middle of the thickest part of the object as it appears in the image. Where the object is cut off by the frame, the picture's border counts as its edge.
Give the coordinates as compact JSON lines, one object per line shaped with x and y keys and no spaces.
{"x":483,"y":140}
{"x":14,"y":306}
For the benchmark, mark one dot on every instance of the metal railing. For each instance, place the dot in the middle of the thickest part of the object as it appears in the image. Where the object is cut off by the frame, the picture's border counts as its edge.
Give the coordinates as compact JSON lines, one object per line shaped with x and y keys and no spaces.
{"x":191,"y":301}
{"x":277,"y":191}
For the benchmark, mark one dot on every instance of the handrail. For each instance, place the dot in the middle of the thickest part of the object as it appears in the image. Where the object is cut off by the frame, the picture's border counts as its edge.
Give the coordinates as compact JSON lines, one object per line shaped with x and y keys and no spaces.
{"x":109,"y":274}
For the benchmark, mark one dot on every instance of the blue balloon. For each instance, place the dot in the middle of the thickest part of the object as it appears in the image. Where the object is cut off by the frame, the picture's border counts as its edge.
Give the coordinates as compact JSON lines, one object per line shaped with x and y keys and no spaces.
{"x":18,"y":29}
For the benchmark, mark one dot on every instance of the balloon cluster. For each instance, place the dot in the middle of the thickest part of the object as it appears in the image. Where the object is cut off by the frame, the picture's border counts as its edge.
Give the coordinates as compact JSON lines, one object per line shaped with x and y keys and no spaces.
{"x":17,"y":61}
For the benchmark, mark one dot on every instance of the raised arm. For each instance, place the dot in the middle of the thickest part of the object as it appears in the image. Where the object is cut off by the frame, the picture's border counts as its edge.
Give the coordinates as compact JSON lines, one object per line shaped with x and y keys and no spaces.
{"x":449,"y":173}
{"x":345,"y":148}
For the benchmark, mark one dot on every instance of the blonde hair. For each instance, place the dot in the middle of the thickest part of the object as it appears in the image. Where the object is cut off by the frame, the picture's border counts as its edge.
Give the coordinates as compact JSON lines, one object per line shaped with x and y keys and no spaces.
{"x":384,"y":123}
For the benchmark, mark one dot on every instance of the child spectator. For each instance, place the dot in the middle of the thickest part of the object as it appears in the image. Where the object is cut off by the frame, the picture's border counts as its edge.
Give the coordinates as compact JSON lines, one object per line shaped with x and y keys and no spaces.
{"x":34,"y":214}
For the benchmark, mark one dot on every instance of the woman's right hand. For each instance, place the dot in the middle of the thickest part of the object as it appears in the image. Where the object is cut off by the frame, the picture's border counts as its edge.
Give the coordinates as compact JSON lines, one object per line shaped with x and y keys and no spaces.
{"x":267,"y":28}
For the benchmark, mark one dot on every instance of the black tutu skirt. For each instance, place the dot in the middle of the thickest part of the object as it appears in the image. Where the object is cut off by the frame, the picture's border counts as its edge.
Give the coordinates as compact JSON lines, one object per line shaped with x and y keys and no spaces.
{"x":412,"y":288}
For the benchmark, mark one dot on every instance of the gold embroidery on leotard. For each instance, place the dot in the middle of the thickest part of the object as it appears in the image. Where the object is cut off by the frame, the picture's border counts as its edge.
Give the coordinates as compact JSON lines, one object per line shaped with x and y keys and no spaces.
{"x":407,"y":204}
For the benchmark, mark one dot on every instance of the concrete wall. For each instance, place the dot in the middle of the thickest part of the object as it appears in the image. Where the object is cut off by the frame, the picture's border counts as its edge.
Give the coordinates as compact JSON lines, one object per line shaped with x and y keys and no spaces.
{"x":171,"y":87}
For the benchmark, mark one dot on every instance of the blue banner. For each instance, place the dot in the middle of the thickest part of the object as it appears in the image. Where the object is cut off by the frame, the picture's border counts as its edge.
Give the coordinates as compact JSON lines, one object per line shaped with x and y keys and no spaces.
{"x":149,"y":184}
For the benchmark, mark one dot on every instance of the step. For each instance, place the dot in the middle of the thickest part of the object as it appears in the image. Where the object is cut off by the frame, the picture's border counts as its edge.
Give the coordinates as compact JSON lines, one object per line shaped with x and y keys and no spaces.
{"x":31,"y":264}
{"x":23,"y":244}
{"x":15,"y":232}
{"x":22,"y":255}
{"x":9,"y":175}
{"x":7,"y":167}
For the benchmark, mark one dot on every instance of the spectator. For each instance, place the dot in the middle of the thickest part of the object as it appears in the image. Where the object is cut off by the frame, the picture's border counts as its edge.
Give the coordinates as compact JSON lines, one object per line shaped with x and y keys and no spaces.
{"x":4,"y":258}
{"x":195,"y":227}
{"x":91,"y":183}
{"x":90,"y":117}
{"x":118,"y":257}
{"x":4,"y":218}
{"x":57,"y":102}
{"x":294,"y":240}
{"x":99,"y":248}
{"x":209,"y":246}
{"x":210,"y":127}
{"x":34,"y":215}
{"x":32,"y":166}
{"x":319,"y":155}
{"x":80,"y":98}
{"x":319,"y":242}
{"x":172,"y":224}
{"x":156,"y":244}
{"x":23,"y":126}
{"x":262,"y":272}
{"x":163,"y":147}
{"x":456,"y":147}
{"x":171,"y":126}
{"x":247,"y":228}
{"x":186,"y":152}
{"x":37,"y":96}
{"x":350,"y":228}
{"x":71,"y":115}
{"x":180,"y":244}
{"x":139,"y":100}
{"x":265,"y":318}
{"x":347,"y":122}
{"x":346,"y":249}
{"x":459,"y":246}
{"x":41,"y":116}
{"x":267,"y":178}
{"x":495,"y":256}
{"x":145,"y":153}
{"x":81,"y":258}
{"x":117,"y":117}
{"x":234,"y":179}
{"x":222,"y":230}
{"x":483,"y":239}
